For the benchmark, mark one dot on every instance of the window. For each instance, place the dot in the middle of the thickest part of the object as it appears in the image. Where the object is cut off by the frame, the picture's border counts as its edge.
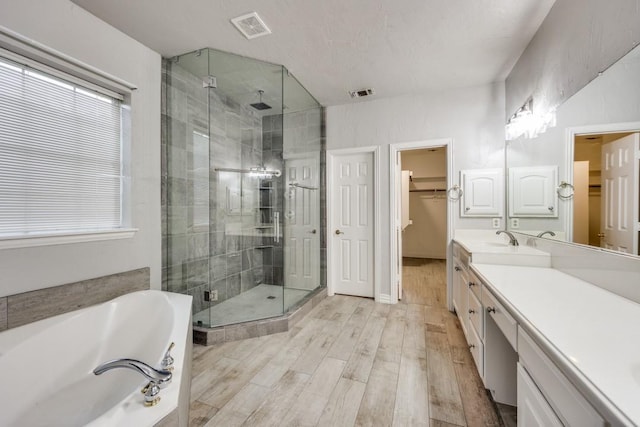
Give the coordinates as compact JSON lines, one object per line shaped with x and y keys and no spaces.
{"x":61,"y":152}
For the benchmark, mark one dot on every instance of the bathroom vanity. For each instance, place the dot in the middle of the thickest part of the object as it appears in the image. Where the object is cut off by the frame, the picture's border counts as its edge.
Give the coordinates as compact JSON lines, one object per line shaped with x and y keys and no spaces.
{"x":550,"y":343}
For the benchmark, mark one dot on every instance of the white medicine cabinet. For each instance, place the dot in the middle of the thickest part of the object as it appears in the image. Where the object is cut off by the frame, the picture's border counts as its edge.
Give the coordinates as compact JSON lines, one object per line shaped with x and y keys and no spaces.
{"x":482,"y":193}
{"x":532,"y":191}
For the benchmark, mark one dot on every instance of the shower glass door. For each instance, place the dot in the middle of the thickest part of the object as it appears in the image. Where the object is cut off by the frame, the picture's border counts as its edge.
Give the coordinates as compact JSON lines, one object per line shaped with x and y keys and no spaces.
{"x":302,"y":120}
{"x":245,"y":172}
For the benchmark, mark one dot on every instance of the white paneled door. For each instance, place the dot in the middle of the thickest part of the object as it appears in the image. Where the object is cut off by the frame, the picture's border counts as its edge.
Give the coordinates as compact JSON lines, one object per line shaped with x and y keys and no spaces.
{"x":620,"y":194}
{"x":302,"y":223}
{"x":351,"y":236}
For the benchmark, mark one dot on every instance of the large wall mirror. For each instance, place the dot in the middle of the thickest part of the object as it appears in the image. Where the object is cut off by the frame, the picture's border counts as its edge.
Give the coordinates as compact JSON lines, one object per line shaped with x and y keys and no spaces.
{"x":579,"y":180}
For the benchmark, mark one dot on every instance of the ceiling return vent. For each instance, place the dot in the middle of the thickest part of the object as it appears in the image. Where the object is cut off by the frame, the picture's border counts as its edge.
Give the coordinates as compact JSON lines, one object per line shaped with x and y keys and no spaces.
{"x":251,"y":25}
{"x":362,"y":92}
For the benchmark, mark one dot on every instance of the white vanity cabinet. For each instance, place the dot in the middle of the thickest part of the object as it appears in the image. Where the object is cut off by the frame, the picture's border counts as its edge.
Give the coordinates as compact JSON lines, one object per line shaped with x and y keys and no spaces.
{"x":562,"y":398}
{"x":475,"y":322}
{"x":533,"y":409}
{"x":512,"y":365}
{"x":461,"y":260}
{"x":493,"y":354}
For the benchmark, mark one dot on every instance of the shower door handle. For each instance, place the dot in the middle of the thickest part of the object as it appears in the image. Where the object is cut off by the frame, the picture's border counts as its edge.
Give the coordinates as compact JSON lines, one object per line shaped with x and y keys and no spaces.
{"x":276,"y":226}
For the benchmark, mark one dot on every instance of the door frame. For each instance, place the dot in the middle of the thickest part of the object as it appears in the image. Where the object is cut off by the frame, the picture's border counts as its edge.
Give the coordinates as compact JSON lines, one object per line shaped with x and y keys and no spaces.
{"x":375,"y":199}
{"x":395,"y":268}
{"x":570,"y":136}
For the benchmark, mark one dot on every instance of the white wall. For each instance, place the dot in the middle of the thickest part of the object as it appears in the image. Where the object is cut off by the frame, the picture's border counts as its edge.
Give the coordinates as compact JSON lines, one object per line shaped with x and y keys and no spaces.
{"x":473,"y":117}
{"x":577,"y":40}
{"x":69,"y":29}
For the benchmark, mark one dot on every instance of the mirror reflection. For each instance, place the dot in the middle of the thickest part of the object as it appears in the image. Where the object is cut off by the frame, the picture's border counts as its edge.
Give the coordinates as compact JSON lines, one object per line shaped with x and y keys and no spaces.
{"x":594,"y":152}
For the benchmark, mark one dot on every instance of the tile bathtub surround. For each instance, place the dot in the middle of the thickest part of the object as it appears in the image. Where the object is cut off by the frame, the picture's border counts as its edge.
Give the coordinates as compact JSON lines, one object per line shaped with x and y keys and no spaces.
{"x":3,"y":313}
{"x":37,"y":305}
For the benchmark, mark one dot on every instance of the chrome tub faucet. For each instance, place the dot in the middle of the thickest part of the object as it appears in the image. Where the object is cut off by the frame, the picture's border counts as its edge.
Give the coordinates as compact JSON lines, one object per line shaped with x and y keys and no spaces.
{"x":158,"y":378}
{"x":512,"y":240}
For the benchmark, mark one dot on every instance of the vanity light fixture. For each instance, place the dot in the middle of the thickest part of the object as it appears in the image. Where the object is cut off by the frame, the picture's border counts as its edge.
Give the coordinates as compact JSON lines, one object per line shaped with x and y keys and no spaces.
{"x":529,"y":123}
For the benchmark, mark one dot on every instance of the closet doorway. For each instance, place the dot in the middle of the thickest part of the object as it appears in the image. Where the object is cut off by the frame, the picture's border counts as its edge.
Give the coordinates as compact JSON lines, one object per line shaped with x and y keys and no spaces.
{"x":423,"y":217}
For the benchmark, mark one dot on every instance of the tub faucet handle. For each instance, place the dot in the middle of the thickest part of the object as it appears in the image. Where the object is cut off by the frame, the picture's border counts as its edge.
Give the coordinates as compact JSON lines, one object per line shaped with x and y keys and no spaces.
{"x":151,"y":394}
{"x":167,"y":360}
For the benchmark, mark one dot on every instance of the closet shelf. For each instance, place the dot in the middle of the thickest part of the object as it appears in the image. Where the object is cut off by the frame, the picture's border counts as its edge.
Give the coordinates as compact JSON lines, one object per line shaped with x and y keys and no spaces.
{"x":428,"y":190}
{"x":427,"y":178}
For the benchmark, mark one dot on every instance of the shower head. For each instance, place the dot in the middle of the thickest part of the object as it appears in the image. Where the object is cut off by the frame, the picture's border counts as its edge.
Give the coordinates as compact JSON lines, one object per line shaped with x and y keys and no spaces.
{"x":261,"y":105}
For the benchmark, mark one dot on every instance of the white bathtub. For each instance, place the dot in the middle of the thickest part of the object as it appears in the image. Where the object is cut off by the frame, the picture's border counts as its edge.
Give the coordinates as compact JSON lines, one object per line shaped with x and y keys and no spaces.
{"x":46,"y":367}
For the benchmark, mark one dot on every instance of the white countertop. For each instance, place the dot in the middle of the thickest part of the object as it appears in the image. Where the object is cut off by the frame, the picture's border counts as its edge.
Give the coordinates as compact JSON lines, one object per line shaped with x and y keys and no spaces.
{"x":597,"y":331}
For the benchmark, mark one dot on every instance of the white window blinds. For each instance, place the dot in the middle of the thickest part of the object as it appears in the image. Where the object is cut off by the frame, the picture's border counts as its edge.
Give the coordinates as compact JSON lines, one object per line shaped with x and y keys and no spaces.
{"x":60,"y":155}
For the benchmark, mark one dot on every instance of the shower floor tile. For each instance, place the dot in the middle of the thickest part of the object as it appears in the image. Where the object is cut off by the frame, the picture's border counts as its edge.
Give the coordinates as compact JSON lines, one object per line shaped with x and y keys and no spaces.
{"x":251,"y":305}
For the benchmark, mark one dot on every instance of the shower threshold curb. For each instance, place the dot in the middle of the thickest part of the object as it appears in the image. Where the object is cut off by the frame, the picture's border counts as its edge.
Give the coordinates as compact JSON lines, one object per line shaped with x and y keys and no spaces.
{"x":258,"y":328}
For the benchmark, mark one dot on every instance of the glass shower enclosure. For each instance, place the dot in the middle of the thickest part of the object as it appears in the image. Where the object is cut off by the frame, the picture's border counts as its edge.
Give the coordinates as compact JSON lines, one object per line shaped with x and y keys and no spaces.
{"x":241,"y":187}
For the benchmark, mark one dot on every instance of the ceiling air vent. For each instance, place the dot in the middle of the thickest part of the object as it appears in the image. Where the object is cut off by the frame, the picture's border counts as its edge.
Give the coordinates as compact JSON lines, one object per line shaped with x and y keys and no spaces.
{"x":362,"y":92}
{"x":251,"y":25}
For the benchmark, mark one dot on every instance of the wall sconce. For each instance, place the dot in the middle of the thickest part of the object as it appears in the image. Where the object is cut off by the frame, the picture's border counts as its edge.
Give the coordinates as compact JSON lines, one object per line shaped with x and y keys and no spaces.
{"x":529,"y":123}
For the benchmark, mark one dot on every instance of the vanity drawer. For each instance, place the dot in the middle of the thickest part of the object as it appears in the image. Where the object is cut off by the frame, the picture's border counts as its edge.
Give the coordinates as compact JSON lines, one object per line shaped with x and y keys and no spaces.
{"x":475,"y":314}
{"x":477,"y":350}
{"x":475,"y":286}
{"x":570,"y":406}
{"x":503,"y":319}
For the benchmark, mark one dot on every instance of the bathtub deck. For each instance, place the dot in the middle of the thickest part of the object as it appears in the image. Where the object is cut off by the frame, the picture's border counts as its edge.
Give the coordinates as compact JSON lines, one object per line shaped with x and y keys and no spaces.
{"x":350,"y":361}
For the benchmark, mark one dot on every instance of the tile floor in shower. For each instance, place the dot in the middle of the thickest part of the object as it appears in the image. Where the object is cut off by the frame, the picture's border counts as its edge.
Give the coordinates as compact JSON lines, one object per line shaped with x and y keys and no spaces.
{"x":253,"y":304}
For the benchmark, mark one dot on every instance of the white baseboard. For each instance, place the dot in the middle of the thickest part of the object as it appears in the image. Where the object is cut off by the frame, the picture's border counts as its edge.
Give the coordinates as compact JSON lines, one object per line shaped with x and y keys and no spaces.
{"x":384,"y":299}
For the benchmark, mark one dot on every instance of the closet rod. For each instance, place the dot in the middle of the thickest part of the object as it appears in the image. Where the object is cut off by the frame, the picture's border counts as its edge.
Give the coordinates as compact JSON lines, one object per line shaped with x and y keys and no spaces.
{"x":428,"y":191}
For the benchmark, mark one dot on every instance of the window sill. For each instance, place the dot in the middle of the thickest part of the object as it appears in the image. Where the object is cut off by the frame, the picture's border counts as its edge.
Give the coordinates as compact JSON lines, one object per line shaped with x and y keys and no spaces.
{"x":65,"y":238}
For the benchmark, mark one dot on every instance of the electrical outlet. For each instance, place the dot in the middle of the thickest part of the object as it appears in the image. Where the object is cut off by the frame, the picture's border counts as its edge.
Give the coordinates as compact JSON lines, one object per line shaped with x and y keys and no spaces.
{"x":515,"y":222}
{"x":210,"y":296}
{"x":495,"y":222}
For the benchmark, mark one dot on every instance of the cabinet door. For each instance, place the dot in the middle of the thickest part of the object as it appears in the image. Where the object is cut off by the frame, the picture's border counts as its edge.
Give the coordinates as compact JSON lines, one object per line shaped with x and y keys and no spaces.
{"x":482,"y":192}
{"x":533,"y":409}
{"x":532,"y":191}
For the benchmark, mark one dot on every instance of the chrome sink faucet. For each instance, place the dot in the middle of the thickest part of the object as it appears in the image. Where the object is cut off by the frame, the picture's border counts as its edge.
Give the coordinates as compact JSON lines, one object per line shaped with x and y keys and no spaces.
{"x":550,"y":233}
{"x":158,"y":379}
{"x":512,"y":240}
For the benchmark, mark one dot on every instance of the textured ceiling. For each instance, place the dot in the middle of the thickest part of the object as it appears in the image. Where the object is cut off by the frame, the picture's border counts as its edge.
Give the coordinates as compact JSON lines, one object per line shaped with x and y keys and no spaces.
{"x":333,"y":46}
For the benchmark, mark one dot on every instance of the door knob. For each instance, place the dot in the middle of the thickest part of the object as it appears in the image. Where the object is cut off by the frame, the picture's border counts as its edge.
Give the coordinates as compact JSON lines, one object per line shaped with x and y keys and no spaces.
{"x":313,"y":231}
{"x":339,"y":232}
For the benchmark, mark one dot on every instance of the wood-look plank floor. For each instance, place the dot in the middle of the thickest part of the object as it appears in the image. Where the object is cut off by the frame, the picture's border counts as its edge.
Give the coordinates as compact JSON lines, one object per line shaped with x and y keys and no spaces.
{"x":349,"y":362}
